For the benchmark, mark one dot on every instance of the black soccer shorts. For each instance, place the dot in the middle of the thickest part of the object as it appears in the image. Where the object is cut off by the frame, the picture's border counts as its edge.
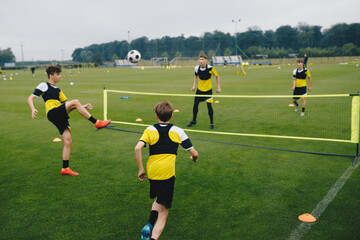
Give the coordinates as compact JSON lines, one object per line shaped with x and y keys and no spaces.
{"x":59,"y":117}
{"x":163,"y":190}
{"x":299,"y":91}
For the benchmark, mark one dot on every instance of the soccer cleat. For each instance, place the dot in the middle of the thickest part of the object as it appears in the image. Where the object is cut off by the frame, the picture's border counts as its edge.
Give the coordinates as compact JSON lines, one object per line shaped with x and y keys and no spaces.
{"x":191,"y":123}
{"x":68,"y":171}
{"x":146,"y":232}
{"x":101,"y":124}
{"x":212,"y":126}
{"x":302,"y":114}
{"x":296,"y":108}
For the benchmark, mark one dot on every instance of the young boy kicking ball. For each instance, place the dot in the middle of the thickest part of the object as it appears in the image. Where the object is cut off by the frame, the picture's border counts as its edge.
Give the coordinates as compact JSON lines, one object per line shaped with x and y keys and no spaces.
{"x":57,"y":110}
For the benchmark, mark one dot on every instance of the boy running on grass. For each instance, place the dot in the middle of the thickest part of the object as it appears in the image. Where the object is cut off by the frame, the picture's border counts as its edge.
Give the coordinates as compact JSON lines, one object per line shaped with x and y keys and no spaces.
{"x":163,"y":139}
{"x":57,"y":110}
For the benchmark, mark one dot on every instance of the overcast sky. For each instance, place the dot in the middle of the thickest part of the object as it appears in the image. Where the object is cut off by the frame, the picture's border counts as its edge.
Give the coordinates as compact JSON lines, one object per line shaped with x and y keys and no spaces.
{"x":52,"y":30}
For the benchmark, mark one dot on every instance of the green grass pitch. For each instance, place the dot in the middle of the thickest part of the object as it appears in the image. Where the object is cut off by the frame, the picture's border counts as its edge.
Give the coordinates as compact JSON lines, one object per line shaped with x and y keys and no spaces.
{"x":232,"y":192}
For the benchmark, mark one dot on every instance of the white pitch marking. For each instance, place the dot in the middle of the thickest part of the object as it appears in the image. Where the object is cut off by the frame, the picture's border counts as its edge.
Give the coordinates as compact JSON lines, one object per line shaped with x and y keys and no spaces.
{"x":304,"y":227}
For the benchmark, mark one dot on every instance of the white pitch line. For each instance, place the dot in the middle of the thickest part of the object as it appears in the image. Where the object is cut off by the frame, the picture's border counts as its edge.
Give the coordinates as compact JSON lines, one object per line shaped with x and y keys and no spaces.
{"x":304,"y":227}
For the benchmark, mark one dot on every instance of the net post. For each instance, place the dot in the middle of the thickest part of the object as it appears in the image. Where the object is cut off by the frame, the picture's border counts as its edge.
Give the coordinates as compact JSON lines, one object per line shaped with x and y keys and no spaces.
{"x":357,"y":154}
{"x":355,"y":118}
{"x":355,"y":123}
{"x":105,"y":103}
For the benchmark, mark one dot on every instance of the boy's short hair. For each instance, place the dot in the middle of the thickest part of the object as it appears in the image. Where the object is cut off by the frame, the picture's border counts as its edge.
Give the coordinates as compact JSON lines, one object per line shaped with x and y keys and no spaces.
{"x":203,"y":56}
{"x":300,"y":60}
{"x":164,"y":110}
{"x":51,"y":70}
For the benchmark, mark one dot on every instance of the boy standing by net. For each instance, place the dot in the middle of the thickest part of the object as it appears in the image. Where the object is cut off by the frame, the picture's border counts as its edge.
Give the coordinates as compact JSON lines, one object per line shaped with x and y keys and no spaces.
{"x":299,"y":85}
{"x":163,"y":139}
{"x":204,"y":72}
{"x":57,"y":110}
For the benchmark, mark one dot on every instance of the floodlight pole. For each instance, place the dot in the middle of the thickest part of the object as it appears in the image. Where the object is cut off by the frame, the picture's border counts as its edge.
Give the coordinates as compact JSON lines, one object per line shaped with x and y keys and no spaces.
{"x":236,"y":21}
{"x":129,"y":40}
{"x":22,"y":53}
{"x":62,"y":55}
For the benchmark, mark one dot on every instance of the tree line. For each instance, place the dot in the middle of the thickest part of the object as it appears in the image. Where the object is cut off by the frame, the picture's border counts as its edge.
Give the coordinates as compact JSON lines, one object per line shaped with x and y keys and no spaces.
{"x":6,"y":56}
{"x":340,"y":40}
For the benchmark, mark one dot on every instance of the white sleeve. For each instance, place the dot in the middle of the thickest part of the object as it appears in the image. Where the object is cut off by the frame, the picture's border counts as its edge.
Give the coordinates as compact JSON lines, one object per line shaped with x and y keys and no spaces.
{"x":185,"y":140}
{"x":197,"y":70}
{"x":179,"y":131}
{"x":294,"y":73}
{"x":41,"y":88}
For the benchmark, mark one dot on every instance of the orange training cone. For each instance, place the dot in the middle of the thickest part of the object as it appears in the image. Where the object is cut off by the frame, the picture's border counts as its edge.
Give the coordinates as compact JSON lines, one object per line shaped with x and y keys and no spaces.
{"x":307,"y":217}
{"x":56,"y":140}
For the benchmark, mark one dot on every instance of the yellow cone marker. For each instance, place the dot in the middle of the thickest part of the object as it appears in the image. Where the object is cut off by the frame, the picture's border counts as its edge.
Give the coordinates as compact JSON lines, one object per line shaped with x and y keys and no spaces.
{"x":307,"y":217}
{"x":138,"y":120}
{"x":56,"y":140}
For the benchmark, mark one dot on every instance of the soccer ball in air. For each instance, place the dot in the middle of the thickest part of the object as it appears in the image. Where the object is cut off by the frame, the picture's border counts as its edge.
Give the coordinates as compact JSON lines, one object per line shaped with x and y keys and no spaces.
{"x":134,"y":56}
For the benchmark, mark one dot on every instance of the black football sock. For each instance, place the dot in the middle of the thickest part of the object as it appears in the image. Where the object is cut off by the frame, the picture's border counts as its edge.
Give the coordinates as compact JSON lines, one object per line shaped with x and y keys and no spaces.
{"x":303,"y":109}
{"x":153,"y":217}
{"x":93,"y":120}
{"x":211,"y":113}
{"x":296,"y":104}
{"x":65,"y":163}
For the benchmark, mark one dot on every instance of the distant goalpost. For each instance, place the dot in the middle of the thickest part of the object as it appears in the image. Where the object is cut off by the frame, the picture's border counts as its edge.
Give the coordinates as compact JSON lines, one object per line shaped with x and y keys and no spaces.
{"x":159,"y":61}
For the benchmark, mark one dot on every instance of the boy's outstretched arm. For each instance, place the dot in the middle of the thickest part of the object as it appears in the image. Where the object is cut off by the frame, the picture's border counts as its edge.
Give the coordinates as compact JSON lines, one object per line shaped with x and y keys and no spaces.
{"x":138,"y":156}
{"x":31,"y":104}
{"x":194,"y":154}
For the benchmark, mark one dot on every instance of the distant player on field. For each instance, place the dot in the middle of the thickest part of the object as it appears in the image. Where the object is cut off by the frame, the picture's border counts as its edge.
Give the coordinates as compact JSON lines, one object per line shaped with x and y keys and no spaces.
{"x":57,"y":110}
{"x":32,"y":71}
{"x":299,"y":84}
{"x":163,"y":139}
{"x":305,"y":60}
{"x":204,"y":72}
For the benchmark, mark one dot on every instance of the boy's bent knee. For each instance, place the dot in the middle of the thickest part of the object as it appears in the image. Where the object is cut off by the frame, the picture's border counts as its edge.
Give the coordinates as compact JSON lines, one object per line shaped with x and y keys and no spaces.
{"x":68,"y":142}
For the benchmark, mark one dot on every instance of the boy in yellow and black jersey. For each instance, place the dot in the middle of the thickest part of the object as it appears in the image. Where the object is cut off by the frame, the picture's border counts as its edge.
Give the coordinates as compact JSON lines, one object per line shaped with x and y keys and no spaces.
{"x":299,"y":84}
{"x":203,"y":72}
{"x":57,"y":109}
{"x":163,"y":139}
